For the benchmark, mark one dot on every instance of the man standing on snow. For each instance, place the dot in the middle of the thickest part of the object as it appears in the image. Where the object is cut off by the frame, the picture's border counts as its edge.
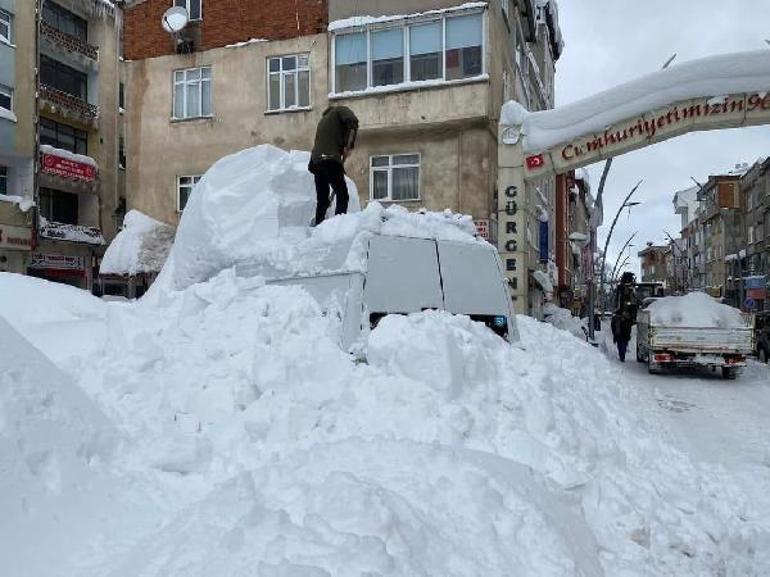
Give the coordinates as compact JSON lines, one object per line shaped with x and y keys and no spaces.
{"x":335,"y":138}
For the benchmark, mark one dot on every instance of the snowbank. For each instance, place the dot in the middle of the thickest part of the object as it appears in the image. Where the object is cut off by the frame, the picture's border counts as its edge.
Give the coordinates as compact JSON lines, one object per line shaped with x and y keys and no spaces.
{"x":705,"y":77}
{"x":697,"y":310}
{"x":564,"y":320}
{"x":250,"y":442}
{"x":142,"y":246}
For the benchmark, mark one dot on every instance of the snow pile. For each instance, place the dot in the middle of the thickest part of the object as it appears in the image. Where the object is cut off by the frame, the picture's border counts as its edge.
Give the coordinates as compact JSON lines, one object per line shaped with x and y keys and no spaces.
{"x":250,"y":202}
{"x":702,"y":78}
{"x":142,"y":246}
{"x":564,"y":320}
{"x":250,"y":442}
{"x":695,"y":310}
{"x":70,"y":232}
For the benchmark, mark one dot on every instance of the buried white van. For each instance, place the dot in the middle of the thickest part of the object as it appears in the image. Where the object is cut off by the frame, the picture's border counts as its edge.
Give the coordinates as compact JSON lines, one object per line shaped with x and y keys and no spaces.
{"x":401,"y":275}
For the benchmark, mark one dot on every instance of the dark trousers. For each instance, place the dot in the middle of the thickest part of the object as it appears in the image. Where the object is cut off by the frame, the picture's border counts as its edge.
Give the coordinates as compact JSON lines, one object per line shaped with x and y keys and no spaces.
{"x":329,"y":173}
{"x":622,"y":348}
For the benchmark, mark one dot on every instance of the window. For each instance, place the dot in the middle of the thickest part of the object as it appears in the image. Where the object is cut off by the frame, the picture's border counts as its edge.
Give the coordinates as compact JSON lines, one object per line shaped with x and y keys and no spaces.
{"x":3,"y":180}
{"x":425,"y":51}
{"x":193,"y":8}
{"x":350,"y":54}
{"x":395,"y":177}
{"x":387,"y":57}
{"x":448,"y":48}
{"x":62,"y":77}
{"x":5,"y":27}
{"x":192,"y":93}
{"x":122,"y":152}
{"x":59,"y":206}
{"x":463,"y":46}
{"x":184,"y":187}
{"x":63,"y":136}
{"x":65,"y":21}
{"x":121,"y":96}
{"x":288,"y":80}
{"x":6,"y":97}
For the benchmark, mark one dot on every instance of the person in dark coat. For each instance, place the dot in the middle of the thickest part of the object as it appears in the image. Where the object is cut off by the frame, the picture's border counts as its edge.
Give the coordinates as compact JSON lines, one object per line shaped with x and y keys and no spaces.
{"x":624,"y":317}
{"x":335,"y":138}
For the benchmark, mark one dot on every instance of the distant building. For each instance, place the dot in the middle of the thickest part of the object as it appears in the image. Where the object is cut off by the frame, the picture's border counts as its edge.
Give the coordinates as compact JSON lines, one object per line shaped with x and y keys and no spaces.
{"x":654,"y":263}
{"x":756,"y":271}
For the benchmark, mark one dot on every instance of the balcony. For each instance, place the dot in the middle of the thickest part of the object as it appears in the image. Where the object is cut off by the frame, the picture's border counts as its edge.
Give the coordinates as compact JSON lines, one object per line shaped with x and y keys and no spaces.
{"x":79,"y":51}
{"x":68,"y":106}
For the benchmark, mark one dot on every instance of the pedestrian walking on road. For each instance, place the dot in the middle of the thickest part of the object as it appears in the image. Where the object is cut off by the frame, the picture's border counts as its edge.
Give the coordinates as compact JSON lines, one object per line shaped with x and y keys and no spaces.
{"x":624,"y":317}
{"x":335,"y":138}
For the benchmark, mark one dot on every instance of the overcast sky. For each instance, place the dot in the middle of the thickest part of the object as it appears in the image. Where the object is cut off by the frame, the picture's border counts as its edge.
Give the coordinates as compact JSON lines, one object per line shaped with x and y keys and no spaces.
{"x":609,"y":42}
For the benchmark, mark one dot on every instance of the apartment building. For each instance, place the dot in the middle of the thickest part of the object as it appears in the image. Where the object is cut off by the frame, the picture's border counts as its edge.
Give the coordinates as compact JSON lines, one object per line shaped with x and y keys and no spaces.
{"x":427,"y":79}
{"x":687,"y":265}
{"x":653,"y":260}
{"x":78,"y":181}
{"x":755,"y":271}
{"x":17,"y":141}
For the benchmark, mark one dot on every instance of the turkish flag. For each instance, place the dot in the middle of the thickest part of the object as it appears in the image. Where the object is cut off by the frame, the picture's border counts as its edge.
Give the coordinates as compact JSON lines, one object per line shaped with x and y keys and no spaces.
{"x":535,"y":161}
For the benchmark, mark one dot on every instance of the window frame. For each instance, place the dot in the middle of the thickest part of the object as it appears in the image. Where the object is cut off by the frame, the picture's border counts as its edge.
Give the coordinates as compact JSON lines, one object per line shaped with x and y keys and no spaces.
{"x":8,"y":18}
{"x":389,"y":169}
{"x":78,"y":135}
{"x":282,"y":74}
{"x":405,"y":27}
{"x":194,"y":180}
{"x":187,"y":7}
{"x":7,"y":91}
{"x":3,"y":179}
{"x":79,"y":24}
{"x":185,"y":82}
{"x":61,"y":70}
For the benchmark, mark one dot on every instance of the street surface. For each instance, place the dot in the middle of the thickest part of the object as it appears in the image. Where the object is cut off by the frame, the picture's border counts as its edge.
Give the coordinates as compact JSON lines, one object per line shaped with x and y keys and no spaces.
{"x":717,"y":422}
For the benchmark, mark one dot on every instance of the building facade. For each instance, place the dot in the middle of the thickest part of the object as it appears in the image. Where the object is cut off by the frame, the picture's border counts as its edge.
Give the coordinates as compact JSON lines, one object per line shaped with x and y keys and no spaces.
{"x":756,"y":264}
{"x":427,"y":79}
{"x":653,"y":262}
{"x":17,"y":140}
{"x":78,"y":182}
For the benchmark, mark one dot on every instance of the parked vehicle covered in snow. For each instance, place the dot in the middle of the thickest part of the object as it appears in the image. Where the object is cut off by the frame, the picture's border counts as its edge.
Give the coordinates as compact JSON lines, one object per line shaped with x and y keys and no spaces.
{"x":402,"y":275}
{"x":693,"y":331}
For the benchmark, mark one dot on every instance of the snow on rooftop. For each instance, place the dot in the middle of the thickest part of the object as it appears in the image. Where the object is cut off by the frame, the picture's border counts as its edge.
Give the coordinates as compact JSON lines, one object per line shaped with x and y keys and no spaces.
{"x":247,"y":43}
{"x":141,"y":246}
{"x":24,"y":204}
{"x":70,"y":232}
{"x":359,"y":21}
{"x":705,"y":77}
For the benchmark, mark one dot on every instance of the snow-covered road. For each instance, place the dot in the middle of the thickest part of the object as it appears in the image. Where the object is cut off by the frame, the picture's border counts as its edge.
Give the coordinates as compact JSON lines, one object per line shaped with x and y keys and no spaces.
{"x":717,"y":422}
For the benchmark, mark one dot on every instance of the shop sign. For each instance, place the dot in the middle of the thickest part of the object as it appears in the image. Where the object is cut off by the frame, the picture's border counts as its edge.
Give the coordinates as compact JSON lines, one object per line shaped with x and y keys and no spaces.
{"x":68,"y":168}
{"x":482,"y":228}
{"x":757,"y":294}
{"x":57,"y":262}
{"x":15,"y":237}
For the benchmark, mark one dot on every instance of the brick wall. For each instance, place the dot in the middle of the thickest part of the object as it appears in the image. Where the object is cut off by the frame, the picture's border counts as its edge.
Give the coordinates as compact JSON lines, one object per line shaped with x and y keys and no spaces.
{"x":224,"y":22}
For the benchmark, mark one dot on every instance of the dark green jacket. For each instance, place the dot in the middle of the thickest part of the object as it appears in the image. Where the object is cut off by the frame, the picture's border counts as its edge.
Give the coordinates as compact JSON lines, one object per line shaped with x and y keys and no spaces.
{"x":336,"y":130}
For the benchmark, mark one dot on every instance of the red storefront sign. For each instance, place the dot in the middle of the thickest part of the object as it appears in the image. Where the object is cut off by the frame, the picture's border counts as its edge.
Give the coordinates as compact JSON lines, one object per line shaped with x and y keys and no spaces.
{"x":15,"y":237}
{"x":68,"y":168}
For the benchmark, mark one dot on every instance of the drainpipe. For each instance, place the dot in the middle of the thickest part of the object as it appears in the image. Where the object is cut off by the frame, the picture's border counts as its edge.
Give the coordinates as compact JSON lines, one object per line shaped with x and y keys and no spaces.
{"x":36,"y":125}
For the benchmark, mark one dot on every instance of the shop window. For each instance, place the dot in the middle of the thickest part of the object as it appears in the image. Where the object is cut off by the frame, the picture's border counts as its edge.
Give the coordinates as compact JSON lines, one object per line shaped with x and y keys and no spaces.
{"x":425,"y":51}
{"x":65,"y":21}
{"x":192,"y":93}
{"x":194,"y":8}
{"x":5,"y":27}
{"x":3,"y":180}
{"x":184,"y":187}
{"x":350,"y":55}
{"x":63,"y":136}
{"x":464,"y":46}
{"x":59,"y":206}
{"x":6,"y":97}
{"x":395,"y":177}
{"x":288,"y":79}
{"x":387,"y":57}
{"x":62,"y":77}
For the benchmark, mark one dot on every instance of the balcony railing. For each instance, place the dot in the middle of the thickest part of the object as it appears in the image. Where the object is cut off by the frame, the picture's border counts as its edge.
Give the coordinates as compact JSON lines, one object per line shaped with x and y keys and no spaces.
{"x":69,"y":106}
{"x":70,"y":43}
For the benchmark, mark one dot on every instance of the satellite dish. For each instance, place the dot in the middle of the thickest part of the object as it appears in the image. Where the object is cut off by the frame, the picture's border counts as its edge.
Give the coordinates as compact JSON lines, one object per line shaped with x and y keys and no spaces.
{"x":175,"y":19}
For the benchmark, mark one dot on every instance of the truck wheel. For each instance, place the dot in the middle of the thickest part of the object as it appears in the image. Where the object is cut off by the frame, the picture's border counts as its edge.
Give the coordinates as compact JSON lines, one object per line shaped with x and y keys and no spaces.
{"x":729,"y":372}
